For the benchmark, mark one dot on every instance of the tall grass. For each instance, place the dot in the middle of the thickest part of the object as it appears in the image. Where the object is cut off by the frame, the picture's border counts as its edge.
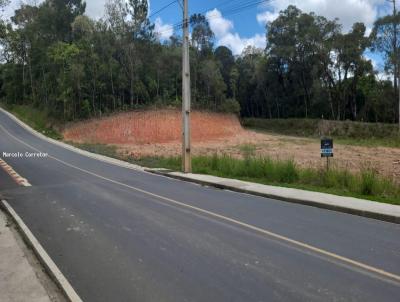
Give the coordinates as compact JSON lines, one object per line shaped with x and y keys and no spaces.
{"x":366,"y":184}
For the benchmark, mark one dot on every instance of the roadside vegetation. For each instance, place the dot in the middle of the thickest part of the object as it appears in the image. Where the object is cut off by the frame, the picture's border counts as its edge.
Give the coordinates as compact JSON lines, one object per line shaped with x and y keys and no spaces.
{"x":367,"y":184}
{"x":58,"y":59}
{"x":36,"y":118}
{"x":344,"y":132}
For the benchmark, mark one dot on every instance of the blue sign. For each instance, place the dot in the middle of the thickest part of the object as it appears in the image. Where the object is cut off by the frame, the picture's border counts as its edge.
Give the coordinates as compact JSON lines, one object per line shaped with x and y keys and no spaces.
{"x":326,"y":147}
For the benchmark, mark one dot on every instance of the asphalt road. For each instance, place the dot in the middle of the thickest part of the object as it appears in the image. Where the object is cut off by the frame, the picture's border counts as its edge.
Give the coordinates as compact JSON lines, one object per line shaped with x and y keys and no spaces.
{"x":123,"y":235}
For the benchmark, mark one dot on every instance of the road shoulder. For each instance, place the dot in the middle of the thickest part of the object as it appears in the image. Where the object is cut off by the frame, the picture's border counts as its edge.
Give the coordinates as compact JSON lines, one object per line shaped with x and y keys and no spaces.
{"x":21,"y":276}
{"x":349,"y":205}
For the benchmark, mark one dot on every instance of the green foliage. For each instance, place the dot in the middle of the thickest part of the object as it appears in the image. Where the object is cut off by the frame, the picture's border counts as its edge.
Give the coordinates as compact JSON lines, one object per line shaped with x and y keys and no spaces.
{"x":366,"y":184}
{"x":248,"y":150}
{"x":37,"y":119}
{"x":230,"y":106}
{"x":369,"y":184}
{"x":59,"y":59}
{"x":107,"y":150}
{"x":85,"y":111}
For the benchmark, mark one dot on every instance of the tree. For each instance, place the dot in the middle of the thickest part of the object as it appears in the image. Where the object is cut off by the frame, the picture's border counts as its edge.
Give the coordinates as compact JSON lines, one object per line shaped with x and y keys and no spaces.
{"x":213,"y":83}
{"x":226,"y":61}
{"x":386,"y":38}
{"x":202,"y":35}
{"x":59,"y":60}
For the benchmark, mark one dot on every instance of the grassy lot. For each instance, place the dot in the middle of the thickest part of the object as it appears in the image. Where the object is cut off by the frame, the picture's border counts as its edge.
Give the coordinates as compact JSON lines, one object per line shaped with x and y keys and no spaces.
{"x":37,"y":119}
{"x":285,"y":173}
{"x":344,"y":132}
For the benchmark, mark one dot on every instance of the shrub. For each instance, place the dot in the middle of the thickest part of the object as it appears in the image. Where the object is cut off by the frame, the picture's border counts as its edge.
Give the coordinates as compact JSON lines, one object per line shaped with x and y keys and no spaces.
{"x":85,"y":109}
{"x":230,"y":106}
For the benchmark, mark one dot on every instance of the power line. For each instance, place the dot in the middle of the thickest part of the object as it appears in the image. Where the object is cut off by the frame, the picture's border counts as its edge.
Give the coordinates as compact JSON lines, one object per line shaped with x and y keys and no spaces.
{"x":232,"y":10}
{"x":163,"y":8}
{"x":179,"y":25}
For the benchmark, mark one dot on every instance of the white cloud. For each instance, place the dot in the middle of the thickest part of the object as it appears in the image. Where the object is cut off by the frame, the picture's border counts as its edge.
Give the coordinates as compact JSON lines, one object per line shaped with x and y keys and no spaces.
{"x":378,"y":66}
{"x":219,"y":25}
{"x":163,"y":31}
{"x":95,"y":8}
{"x":347,"y":11}
{"x":266,"y":17}
{"x":223,"y":30}
{"x":237,"y":44}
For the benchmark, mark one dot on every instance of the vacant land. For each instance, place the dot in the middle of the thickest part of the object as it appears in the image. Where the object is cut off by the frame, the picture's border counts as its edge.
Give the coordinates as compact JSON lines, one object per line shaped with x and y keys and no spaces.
{"x":138,"y":128}
{"x":344,"y":132}
{"x":138,"y":135}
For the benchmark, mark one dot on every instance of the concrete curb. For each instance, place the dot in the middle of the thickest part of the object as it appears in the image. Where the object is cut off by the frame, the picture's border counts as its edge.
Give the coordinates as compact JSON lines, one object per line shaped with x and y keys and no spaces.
{"x":72,"y":148}
{"x":385,"y":216}
{"x":338,"y":208}
{"x":43,"y":257}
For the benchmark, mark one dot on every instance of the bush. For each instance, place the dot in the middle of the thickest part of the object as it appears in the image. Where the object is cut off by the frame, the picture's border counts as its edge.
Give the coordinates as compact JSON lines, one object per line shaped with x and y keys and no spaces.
{"x":85,"y":109}
{"x":230,"y":106}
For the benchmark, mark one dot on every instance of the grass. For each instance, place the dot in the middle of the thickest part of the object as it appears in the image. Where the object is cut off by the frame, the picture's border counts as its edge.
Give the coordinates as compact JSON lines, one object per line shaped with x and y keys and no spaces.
{"x":107,"y":150}
{"x":36,"y":118}
{"x":285,"y":173}
{"x":366,"y":185}
{"x":344,"y":132}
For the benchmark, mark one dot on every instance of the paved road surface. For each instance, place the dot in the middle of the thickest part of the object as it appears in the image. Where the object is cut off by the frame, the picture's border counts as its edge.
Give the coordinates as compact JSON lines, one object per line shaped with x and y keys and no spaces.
{"x":123,"y":235}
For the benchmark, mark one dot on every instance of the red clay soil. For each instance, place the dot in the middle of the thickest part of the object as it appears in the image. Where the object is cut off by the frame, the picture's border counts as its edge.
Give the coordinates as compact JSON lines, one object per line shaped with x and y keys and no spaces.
{"x":158,"y":133}
{"x":151,"y":127}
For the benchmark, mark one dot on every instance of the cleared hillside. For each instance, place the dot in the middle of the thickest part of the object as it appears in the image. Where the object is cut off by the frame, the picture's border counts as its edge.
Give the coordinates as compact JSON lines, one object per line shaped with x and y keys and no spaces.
{"x":150,"y":127}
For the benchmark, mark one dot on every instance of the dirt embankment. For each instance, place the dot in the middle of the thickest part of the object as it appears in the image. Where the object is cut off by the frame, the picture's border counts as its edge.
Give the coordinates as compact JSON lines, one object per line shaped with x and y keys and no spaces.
{"x":158,"y":133}
{"x":151,"y":127}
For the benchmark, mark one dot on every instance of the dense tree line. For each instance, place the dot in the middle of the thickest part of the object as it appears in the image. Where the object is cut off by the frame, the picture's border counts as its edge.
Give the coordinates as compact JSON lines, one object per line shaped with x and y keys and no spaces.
{"x":56,"y":58}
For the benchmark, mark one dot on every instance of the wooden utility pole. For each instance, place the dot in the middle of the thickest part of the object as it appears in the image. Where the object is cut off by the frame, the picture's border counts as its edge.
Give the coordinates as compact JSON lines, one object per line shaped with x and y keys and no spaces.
{"x":186,"y":94}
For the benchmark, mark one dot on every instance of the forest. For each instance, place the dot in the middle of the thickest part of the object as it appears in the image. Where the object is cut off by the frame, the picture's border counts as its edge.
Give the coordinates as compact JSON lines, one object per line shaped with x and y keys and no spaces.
{"x":55,"y":58}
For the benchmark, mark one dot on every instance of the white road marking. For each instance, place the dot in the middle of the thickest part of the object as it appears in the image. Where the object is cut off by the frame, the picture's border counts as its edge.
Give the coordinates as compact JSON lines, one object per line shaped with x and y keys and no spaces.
{"x":341,"y":259}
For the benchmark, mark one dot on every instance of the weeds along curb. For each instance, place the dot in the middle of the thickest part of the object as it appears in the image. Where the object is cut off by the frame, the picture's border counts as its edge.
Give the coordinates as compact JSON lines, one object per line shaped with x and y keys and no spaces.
{"x":51,"y":268}
{"x":362,"y":213}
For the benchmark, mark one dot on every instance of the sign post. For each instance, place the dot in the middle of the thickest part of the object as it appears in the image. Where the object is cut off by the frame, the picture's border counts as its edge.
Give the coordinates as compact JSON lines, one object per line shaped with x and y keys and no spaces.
{"x":327,"y":150}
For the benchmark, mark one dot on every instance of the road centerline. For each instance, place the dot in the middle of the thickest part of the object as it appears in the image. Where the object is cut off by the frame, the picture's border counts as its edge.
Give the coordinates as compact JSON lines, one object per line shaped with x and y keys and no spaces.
{"x":360,"y":267}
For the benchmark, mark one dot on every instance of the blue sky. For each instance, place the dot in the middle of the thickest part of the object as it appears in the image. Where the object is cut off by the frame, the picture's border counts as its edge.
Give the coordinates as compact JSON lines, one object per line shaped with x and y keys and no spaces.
{"x":247,"y":27}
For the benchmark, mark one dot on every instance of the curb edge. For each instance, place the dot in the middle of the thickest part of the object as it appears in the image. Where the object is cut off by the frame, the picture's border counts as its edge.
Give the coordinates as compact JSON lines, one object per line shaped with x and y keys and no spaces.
{"x":366,"y":214}
{"x":49,"y":265}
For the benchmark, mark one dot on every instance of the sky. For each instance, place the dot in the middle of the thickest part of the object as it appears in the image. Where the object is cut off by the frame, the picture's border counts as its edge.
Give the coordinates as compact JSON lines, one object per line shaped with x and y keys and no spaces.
{"x":238,"y":29}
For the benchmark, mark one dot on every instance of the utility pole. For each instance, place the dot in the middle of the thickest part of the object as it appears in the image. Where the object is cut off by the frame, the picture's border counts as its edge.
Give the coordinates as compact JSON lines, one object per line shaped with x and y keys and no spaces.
{"x":186,"y":94}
